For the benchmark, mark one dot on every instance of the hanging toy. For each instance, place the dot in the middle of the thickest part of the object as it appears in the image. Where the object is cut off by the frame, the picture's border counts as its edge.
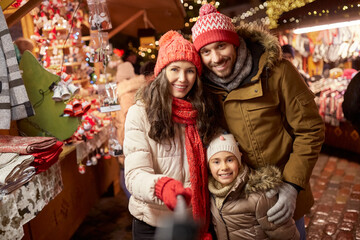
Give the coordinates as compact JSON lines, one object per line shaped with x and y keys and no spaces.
{"x":97,"y":155}
{"x":102,"y":152}
{"x":106,"y":153}
{"x":88,"y":161}
{"x":81,"y":168}
{"x":99,"y":15}
{"x":94,"y":160}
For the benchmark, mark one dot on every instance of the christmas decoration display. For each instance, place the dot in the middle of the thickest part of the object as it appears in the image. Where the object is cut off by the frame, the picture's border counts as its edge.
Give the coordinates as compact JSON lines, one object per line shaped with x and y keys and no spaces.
{"x":99,"y":18}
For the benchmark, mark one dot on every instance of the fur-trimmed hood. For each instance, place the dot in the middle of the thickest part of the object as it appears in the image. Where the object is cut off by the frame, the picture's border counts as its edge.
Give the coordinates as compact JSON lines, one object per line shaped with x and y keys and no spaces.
{"x":263,"y":179}
{"x":256,"y":33}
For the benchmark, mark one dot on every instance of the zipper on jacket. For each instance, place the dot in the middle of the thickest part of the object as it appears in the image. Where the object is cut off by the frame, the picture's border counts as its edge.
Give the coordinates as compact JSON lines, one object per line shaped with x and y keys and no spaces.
{"x":226,"y":227}
{"x":222,"y":218}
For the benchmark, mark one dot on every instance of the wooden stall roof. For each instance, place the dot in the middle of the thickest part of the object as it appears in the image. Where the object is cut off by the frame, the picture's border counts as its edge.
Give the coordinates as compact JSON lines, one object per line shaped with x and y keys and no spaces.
{"x":127,"y":16}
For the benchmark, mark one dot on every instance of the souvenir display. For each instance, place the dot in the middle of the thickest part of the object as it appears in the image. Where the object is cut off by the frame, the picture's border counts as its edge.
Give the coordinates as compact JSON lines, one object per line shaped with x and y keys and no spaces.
{"x":99,"y":17}
{"x":99,"y":47}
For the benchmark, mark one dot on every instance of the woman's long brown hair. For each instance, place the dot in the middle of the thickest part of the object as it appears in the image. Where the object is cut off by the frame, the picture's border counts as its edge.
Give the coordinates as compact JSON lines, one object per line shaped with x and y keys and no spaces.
{"x":158,"y":106}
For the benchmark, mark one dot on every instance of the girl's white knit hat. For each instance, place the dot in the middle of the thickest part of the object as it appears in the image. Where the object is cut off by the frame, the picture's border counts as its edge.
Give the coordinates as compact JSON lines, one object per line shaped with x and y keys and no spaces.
{"x":224,"y":142}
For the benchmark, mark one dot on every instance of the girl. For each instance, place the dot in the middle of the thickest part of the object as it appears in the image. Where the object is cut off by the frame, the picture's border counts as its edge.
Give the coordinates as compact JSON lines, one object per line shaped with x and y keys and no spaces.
{"x":164,"y":135}
{"x":238,"y":195}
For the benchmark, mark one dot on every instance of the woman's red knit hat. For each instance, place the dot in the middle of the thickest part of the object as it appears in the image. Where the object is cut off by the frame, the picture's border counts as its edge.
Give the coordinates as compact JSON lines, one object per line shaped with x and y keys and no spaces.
{"x":173,"y":47}
{"x":213,"y":26}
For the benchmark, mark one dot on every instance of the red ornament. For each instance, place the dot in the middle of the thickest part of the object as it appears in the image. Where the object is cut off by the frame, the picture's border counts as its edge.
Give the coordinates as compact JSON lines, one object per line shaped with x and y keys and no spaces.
{"x":81,"y":168}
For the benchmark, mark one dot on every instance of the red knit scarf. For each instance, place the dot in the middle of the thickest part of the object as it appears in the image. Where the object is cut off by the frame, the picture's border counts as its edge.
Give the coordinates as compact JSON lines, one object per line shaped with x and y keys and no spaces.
{"x":184,"y":113}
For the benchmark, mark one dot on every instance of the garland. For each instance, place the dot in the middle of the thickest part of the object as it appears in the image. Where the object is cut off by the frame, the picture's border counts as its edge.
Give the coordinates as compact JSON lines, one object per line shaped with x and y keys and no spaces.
{"x":277,"y":7}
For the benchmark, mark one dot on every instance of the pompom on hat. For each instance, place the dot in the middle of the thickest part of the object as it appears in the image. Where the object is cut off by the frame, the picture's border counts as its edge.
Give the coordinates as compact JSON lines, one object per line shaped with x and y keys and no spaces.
{"x":173,"y":47}
{"x":223,"y":143}
{"x":213,"y":26}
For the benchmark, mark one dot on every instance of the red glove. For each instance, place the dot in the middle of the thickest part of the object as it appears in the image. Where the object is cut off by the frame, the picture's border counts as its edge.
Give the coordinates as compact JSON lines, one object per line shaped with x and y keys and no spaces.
{"x":206,"y":236}
{"x":168,"y":188}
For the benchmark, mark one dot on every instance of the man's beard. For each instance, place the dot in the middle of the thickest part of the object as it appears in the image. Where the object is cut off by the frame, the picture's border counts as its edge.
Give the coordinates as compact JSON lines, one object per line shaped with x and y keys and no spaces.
{"x":226,"y":72}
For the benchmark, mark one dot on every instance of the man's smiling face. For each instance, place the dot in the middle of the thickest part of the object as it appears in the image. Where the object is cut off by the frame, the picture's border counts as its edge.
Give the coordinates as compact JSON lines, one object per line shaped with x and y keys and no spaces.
{"x":219,"y":57}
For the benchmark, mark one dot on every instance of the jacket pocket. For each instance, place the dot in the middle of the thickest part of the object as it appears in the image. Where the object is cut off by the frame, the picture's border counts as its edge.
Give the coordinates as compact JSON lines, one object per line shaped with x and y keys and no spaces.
{"x":270,"y":100}
{"x":263,"y":117}
{"x":308,"y":111}
{"x":266,"y":130}
{"x":305,"y":98}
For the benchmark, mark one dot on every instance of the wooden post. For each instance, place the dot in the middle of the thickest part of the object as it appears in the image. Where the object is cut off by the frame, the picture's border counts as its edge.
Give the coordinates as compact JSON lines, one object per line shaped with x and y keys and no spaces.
{"x":124,"y":24}
{"x":21,"y":12}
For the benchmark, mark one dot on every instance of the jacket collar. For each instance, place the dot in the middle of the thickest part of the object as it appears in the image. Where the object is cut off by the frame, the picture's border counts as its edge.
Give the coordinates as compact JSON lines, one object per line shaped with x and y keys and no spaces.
{"x":254,"y":33}
{"x":256,"y":181}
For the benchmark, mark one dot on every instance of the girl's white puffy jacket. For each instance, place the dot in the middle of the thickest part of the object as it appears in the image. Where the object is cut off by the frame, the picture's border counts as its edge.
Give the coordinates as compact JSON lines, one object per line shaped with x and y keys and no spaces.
{"x":146,"y":161}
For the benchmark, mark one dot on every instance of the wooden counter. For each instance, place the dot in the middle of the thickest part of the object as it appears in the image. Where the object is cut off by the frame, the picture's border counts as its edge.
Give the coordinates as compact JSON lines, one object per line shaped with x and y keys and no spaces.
{"x":344,"y":136}
{"x":63,"y":215}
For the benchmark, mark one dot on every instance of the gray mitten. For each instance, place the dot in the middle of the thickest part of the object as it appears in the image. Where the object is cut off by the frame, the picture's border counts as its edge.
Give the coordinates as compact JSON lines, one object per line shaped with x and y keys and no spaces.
{"x":284,"y":208}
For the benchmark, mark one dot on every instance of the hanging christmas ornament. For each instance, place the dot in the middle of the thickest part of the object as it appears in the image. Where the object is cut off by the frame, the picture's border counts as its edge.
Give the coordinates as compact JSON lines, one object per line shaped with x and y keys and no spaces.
{"x":94,"y":160}
{"x":99,"y":17}
{"x":106,"y":153}
{"x":97,"y":155}
{"x":81,"y":168}
{"x":88,"y":162}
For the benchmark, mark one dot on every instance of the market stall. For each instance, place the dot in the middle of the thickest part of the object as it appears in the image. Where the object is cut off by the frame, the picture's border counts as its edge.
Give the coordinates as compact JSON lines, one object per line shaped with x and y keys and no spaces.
{"x":326,"y":40}
{"x":69,"y":98}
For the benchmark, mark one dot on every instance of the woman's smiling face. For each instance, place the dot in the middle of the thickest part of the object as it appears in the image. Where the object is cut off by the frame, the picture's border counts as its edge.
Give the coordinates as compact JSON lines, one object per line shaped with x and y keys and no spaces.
{"x":181,"y":76}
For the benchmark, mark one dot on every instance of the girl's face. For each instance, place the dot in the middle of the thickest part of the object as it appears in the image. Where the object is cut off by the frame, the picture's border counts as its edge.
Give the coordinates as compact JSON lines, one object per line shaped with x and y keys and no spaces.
{"x":224,"y":167}
{"x":181,"y":76}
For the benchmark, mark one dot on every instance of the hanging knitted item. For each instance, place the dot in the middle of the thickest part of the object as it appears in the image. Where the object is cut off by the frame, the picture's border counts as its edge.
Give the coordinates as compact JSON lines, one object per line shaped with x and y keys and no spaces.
{"x":14,"y":101}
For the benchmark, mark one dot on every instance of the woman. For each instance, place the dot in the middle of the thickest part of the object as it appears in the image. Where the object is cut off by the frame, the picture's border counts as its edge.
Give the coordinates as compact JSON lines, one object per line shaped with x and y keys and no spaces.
{"x":164,"y":135}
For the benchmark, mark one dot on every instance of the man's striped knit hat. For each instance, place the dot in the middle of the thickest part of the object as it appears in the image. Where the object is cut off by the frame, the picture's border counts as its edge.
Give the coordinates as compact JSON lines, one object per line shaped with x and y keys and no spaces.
{"x":213,"y":26}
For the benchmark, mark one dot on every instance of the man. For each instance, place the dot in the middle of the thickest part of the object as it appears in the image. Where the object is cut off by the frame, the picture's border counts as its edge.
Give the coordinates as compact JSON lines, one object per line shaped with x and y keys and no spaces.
{"x":267,"y":106}
{"x":130,"y":56}
{"x":288,"y":53}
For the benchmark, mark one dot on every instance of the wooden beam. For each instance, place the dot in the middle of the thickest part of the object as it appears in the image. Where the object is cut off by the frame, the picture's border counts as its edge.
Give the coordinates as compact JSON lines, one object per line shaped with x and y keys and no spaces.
{"x":6,"y":3}
{"x":27,"y":26}
{"x":21,"y":12}
{"x":147,"y":21}
{"x":124,"y":24}
{"x":9,"y":11}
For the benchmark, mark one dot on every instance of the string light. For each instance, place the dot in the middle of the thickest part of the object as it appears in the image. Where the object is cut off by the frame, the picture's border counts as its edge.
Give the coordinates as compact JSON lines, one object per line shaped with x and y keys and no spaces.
{"x":323,"y":13}
{"x":191,"y":7}
{"x":249,"y":13}
{"x":277,"y":7}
